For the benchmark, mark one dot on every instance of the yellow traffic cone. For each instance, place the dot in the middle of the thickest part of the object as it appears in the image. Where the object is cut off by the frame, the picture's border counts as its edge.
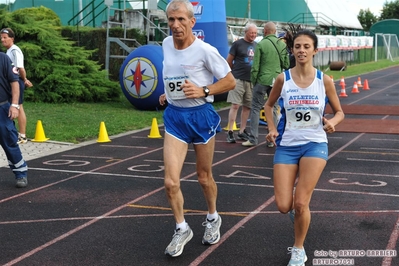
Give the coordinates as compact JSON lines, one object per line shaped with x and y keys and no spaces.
{"x":103,"y":135}
{"x":235,"y":128}
{"x":39,"y":135}
{"x":154,"y":133}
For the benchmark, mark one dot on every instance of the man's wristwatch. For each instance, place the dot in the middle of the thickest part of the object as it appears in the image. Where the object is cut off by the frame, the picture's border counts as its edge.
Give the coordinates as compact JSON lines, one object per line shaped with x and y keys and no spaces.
{"x":15,"y":105}
{"x":206,"y":91}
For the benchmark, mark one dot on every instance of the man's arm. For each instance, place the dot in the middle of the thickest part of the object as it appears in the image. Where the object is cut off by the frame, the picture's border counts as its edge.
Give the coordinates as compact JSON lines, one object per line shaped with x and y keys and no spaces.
{"x":22,"y":75}
{"x":230,"y":59}
{"x":14,"y":112}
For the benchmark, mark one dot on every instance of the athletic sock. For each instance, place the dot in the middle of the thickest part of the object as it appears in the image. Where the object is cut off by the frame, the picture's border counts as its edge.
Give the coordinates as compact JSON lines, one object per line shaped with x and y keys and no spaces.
{"x":183,"y":226}
{"x":213,"y":216}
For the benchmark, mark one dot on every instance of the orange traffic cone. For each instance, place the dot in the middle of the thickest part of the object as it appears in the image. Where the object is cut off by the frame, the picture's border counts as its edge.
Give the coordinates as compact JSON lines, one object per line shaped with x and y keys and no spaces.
{"x":359,"y":83}
{"x":154,"y":133}
{"x":342,"y":82}
{"x":39,"y":135}
{"x":366,"y":85}
{"x":355,"y":89}
{"x":235,"y":128}
{"x":103,"y":134}
{"x":343,"y":92}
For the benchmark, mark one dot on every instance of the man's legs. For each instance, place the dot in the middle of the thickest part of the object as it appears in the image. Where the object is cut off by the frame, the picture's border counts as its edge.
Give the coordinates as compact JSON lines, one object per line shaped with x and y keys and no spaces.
{"x":232,"y":118}
{"x":244,"y":117}
{"x":258,"y":101}
{"x":22,"y":116}
{"x":22,"y":124}
{"x":235,"y":97}
{"x":233,"y":115}
{"x":204,"y":153}
{"x":174,"y":154}
{"x":8,"y":140}
{"x":246,"y":110}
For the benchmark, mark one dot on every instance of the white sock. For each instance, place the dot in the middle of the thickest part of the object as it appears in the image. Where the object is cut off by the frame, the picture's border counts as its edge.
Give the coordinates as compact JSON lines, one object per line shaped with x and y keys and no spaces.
{"x":182,"y":226}
{"x":213,"y":216}
{"x":22,"y":135}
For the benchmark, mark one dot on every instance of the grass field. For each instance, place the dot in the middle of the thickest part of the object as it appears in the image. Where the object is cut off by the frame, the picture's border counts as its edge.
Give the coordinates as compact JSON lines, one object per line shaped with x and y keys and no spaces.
{"x":79,"y":122}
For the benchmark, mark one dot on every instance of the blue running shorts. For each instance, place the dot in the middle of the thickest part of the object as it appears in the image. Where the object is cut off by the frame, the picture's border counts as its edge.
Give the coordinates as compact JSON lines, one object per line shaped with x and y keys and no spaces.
{"x":292,"y":154}
{"x":195,"y":125}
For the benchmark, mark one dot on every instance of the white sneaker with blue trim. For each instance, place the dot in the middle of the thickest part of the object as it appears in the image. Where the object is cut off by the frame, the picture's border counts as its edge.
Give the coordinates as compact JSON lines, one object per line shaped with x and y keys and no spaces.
{"x":298,"y":256}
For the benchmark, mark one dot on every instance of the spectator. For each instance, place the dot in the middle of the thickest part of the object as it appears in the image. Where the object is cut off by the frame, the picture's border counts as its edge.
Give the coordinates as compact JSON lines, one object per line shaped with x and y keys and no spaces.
{"x":9,"y":95}
{"x":270,"y":59}
{"x":189,"y":68}
{"x":17,"y":57}
{"x":240,"y":60}
{"x":302,"y":152}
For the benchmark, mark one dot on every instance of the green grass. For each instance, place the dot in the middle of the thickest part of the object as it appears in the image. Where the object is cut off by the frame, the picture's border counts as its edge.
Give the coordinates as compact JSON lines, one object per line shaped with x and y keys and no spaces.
{"x":80,"y":122}
{"x":354,"y":70}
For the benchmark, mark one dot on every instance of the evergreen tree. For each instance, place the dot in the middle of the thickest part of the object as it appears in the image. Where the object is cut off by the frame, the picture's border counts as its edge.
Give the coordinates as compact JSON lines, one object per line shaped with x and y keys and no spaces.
{"x":60,"y":71}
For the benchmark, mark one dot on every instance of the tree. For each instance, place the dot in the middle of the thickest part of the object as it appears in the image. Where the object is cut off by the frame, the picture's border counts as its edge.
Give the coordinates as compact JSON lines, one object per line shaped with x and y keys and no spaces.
{"x":60,"y":71}
{"x":366,"y":19}
{"x":390,"y":10}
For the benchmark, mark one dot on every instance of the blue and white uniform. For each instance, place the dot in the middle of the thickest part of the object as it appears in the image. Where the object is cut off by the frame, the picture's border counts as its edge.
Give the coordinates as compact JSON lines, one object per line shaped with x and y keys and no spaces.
{"x":191,"y":120}
{"x":302,"y":110}
{"x":8,"y":132}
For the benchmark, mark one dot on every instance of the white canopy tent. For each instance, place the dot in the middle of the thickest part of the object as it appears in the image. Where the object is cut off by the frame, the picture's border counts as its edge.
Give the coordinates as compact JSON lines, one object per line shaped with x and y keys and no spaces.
{"x":338,"y":11}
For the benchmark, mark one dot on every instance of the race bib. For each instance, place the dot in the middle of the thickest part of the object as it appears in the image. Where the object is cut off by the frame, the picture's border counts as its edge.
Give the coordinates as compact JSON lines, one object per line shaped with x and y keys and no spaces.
{"x":303,"y":117}
{"x":173,"y":87}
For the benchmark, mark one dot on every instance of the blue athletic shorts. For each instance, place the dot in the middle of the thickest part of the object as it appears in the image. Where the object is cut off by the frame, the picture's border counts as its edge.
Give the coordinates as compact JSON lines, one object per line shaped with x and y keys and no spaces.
{"x":21,"y":91}
{"x":195,"y":125}
{"x":292,"y":154}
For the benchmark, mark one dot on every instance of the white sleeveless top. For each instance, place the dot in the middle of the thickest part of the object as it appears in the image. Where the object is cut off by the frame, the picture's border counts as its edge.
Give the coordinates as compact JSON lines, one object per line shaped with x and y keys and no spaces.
{"x":302,"y":110}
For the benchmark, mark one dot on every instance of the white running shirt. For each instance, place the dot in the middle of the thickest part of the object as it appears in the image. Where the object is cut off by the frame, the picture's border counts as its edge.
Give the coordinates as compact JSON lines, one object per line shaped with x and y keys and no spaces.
{"x":199,"y":63}
{"x":16,"y":56}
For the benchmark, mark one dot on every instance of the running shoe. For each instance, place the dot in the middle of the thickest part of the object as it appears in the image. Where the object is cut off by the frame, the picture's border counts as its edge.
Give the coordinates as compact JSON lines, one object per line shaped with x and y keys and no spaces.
{"x":179,"y":240}
{"x":230,"y":137}
{"x":248,"y":144}
{"x":244,"y":135}
{"x":298,"y":256}
{"x":22,"y":140}
{"x":212,"y":231}
{"x":270,"y":144}
{"x":21,"y":182}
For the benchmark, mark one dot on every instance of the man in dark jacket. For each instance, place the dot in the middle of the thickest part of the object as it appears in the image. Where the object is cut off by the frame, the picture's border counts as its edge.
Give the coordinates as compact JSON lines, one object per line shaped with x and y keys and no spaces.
{"x":9,"y":96}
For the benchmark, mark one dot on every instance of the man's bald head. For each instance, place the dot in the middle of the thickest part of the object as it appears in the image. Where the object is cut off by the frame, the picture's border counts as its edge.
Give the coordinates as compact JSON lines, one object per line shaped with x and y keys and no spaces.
{"x":269,"y":28}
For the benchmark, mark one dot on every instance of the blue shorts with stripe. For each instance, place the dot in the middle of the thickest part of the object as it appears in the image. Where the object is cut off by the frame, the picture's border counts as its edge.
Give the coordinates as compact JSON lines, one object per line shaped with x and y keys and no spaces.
{"x":292,"y":154}
{"x":195,"y":125}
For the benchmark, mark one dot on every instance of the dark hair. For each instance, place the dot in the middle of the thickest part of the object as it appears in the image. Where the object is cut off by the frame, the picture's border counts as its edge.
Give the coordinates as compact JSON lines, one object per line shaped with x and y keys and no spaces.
{"x":292,"y":32}
{"x":8,"y":31}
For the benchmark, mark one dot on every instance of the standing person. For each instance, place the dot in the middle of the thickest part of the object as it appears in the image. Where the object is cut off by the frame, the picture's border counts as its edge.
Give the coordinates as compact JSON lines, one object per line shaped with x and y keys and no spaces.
{"x":189,"y":68}
{"x":17,"y":57}
{"x":300,"y":135}
{"x":270,"y":59}
{"x":240,"y":59}
{"x":9,"y":95}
